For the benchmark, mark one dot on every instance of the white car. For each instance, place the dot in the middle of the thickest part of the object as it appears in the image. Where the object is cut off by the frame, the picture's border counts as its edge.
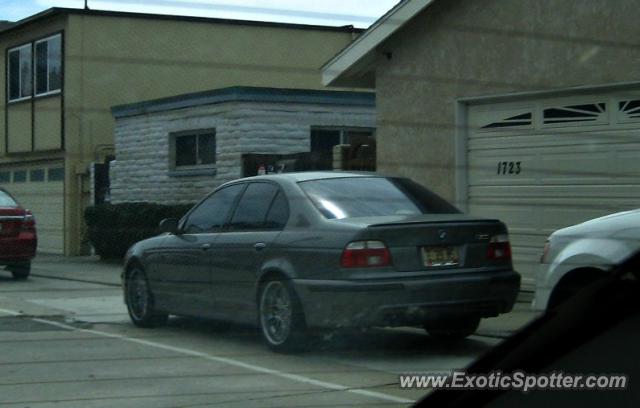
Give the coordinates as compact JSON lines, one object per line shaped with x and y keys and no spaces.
{"x":576,"y":255}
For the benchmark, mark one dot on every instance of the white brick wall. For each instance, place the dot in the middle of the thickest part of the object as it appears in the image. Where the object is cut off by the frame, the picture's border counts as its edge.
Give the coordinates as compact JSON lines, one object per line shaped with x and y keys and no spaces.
{"x":142,"y":171}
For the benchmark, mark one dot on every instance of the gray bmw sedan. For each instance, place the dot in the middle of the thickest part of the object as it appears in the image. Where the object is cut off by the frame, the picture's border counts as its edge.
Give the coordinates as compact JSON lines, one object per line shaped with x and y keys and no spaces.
{"x":295,"y":251}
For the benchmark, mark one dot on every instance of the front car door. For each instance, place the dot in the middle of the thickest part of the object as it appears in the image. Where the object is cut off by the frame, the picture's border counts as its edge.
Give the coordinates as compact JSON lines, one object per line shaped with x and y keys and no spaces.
{"x":242,"y":246}
{"x":185,"y":270}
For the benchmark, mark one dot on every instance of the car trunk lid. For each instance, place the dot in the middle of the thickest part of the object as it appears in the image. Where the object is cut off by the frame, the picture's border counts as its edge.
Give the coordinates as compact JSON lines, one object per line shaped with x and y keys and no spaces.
{"x":434,"y":242}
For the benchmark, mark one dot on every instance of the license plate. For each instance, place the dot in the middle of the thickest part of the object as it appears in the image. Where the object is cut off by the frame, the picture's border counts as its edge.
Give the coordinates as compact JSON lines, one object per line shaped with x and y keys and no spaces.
{"x":440,"y":256}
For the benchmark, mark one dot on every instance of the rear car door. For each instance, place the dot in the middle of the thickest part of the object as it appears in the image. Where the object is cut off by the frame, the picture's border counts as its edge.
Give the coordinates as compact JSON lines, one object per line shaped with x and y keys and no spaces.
{"x":241,"y":248}
{"x":185,"y":268}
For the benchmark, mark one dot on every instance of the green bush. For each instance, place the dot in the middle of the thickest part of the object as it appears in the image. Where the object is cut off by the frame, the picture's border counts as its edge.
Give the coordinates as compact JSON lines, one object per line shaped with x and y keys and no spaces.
{"x":113,"y":228}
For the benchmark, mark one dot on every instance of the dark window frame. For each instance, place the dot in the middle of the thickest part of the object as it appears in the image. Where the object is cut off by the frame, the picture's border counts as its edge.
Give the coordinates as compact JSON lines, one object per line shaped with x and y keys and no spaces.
{"x":343,"y":131}
{"x":324,"y":157}
{"x":49,"y":90}
{"x":33,"y":67}
{"x":197,"y":133}
{"x":9,"y":73}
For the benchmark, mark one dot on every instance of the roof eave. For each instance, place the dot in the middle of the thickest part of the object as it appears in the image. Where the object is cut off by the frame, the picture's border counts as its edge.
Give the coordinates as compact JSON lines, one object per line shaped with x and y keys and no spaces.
{"x":360,"y":53}
{"x":113,"y":13}
{"x":359,"y":75}
{"x":245,"y":94}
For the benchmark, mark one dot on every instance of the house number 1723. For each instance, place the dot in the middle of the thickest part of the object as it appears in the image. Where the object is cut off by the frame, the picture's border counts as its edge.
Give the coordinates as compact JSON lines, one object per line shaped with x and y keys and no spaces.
{"x":509,"y":167}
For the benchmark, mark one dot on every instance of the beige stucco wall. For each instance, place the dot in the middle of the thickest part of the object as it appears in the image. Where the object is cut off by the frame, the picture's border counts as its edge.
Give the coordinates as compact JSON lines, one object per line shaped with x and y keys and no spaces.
{"x":47,"y":123}
{"x":466,"y":48}
{"x":19,"y":127}
{"x":117,"y":60}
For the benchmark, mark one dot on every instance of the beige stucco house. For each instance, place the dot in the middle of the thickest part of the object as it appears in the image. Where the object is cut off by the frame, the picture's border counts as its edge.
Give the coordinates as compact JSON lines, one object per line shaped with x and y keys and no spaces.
{"x":528,"y":111}
{"x":63,"y":69}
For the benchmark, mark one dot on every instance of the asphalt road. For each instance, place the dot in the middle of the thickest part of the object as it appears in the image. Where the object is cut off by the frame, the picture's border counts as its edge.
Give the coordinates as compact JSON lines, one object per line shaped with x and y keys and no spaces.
{"x":67,"y":343}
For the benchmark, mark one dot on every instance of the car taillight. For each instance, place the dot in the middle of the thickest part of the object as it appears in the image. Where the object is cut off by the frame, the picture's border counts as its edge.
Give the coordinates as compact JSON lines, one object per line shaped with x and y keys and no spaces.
{"x":499,"y":248}
{"x":28,"y":223}
{"x":359,"y":254}
{"x":545,"y":252}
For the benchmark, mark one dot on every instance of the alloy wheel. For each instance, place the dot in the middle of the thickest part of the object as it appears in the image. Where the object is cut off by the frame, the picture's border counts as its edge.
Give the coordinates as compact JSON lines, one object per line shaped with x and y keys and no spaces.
{"x":138,"y":295}
{"x":276,"y":312}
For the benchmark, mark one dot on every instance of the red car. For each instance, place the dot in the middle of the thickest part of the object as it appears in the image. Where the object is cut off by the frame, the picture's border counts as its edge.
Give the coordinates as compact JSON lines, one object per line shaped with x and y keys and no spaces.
{"x":18,"y":238}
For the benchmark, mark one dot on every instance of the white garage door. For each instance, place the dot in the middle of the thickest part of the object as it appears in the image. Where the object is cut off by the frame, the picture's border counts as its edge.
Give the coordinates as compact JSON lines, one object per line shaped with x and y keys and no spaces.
{"x":540,"y":165}
{"x":40,"y":188}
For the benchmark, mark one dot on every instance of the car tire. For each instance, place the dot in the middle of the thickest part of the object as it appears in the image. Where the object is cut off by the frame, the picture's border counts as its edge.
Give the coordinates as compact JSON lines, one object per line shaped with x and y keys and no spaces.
{"x":453,"y":329}
{"x":281,"y":318}
{"x":140,"y":300}
{"x":20,"y":271}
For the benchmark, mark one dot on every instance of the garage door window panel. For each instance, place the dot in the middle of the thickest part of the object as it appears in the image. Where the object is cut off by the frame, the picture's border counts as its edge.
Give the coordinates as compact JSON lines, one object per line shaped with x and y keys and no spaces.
{"x":576,"y":115}
{"x":20,"y":176}
{"x":55,"y":174}
{"x":517,"y":121}
{"x":629,"y":110}
{"x":36,"y":175}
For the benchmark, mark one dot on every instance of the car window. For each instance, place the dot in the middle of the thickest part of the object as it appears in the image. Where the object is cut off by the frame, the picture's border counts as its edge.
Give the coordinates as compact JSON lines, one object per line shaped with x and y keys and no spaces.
{"x":373,"y":196}
{"x":6,"y":200}
{"x":278,"y":213}
{"x":211,"y":214}
{"x":252,"y":209}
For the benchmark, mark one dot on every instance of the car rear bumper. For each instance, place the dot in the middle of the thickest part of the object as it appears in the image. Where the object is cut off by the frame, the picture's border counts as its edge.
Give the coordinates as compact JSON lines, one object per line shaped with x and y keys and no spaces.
{"x":21,"y":248}
{"x":406,"y":302}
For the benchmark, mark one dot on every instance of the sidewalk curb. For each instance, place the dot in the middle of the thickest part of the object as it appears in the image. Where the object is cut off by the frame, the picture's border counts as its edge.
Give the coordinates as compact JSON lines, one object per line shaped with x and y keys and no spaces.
{"x":117,"y":285}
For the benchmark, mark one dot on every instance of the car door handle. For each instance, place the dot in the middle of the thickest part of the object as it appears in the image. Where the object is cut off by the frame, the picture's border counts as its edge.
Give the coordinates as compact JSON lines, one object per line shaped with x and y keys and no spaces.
{"x":205,"y":247}
{"x":260,"y":246}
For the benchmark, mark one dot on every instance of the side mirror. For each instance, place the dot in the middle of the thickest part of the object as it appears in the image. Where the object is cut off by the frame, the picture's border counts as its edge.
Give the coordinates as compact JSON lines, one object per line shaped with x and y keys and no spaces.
{"x":169,"y":225}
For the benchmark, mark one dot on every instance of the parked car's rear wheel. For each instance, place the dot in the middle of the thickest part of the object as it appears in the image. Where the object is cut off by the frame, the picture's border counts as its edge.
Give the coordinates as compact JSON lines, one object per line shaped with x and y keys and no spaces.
{"x":20,"y":271}
{"x":281,"y":317}
{"x":453,"y":329}
{"x":140,"y":301}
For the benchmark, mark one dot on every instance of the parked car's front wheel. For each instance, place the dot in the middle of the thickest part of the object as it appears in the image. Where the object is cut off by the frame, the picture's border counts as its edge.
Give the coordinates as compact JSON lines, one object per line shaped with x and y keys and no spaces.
{"x":281,"y":317}
{"x":20,"y":271}
{"x":140,"y":302}
{"x":453,"y":329}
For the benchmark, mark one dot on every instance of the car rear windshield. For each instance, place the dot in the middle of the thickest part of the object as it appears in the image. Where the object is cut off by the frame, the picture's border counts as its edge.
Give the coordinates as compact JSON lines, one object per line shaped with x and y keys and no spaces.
{"x":6,"y":200}
{"x":351,"y":197}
